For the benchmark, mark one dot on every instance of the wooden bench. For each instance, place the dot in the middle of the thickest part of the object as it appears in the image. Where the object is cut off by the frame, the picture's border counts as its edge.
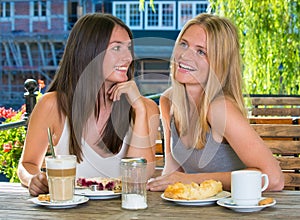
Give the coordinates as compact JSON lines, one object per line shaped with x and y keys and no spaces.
{"x":273,"y":120}
{"x":275,"y":105}
{"x":276,"y":119}
{"x":284,"y":141}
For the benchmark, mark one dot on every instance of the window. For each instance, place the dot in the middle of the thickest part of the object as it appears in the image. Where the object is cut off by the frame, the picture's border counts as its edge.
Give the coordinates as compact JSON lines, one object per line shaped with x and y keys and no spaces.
{"x":162,"y":17}
{"x":40,"y":15}
{"x":5,"y":9}
{"x":72,"y":14}
{"x":188,"y":10}
{"x":40,"y":8}
{"x":98,"y":6}
{"x":129,"y":13}
{"x":152,"y":75}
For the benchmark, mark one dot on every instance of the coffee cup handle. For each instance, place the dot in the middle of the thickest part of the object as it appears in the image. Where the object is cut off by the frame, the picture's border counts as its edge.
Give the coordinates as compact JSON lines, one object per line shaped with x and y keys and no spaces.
{"x":266,"y":181}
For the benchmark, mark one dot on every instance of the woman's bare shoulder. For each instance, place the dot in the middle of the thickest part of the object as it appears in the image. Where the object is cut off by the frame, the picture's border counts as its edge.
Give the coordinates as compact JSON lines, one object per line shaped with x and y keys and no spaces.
{"x":49,"y":97}
{"x":225,"y":103}
{"x":165,"y":100}
{"x":224,"y":108}
{"x":47,"y":104}
{"x":167,"y":93}
{"x":151,"y":106}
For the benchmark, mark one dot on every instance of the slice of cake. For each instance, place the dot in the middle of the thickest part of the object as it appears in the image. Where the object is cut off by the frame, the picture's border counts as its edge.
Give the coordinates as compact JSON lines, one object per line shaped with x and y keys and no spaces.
{"x":113,"y":184}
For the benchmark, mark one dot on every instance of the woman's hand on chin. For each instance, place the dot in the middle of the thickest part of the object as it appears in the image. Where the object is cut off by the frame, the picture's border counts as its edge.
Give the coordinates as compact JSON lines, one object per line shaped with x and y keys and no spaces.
{"x":131,"y":91}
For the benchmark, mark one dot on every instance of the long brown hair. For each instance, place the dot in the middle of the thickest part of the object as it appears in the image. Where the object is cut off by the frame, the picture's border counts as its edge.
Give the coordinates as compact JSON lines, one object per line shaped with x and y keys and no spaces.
{"x":79,"y":81}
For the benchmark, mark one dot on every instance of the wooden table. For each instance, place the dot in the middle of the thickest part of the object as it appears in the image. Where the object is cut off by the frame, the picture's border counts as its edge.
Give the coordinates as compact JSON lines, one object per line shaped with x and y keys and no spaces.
{"x":14,"y":205}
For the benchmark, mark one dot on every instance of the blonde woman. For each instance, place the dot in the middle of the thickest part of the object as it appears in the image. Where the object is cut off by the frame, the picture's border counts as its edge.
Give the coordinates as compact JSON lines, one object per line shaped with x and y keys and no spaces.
{"x":207,"y":134}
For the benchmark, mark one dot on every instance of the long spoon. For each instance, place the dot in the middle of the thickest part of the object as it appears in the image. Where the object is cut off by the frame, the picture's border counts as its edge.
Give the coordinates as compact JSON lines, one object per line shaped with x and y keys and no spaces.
{"x":51,"y":143}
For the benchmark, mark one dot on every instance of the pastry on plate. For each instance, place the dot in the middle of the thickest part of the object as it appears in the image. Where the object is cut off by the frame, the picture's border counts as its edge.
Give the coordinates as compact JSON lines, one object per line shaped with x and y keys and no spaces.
{"x":266,"y":201}
{"x":193,"y":191}
{"x":44,"y":197}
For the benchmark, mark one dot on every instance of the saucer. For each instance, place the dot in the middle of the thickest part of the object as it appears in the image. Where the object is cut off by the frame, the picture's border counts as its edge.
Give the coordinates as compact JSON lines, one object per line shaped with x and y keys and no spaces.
{"x":99,"y":194}
{"x":63,"y":205}
{"x":228,"y":203}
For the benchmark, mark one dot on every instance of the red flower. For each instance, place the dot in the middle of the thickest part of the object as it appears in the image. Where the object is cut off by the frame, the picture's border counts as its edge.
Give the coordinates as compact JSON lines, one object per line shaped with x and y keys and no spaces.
{"x":7,"y":147}
{"x":7,"y":113}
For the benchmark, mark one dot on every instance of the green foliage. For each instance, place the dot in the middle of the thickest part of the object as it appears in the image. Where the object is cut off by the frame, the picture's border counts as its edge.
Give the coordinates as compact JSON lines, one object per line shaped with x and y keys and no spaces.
{"x":12,"y":140}
{"x":11,"y":145}
{"x":269,"y":37}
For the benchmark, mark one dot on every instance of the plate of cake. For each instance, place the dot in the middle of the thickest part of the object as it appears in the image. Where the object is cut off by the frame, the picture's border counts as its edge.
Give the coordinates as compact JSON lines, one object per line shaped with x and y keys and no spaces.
{"x":193,"y":194}
{"x":99,"y":187}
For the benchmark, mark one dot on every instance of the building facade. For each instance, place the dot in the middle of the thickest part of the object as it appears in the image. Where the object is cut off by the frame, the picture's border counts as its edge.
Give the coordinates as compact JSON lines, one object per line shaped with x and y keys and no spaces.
{"x":33,"y":34}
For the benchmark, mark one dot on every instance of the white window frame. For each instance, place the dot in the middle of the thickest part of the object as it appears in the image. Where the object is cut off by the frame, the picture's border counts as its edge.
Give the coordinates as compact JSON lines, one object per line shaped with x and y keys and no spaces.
{"x":40,"y":17}
{"x":194,"y":13}
{"x":3,"y":16}
{"x":160,"y":15}
{"x":127,"y":21}
{"x":46,"y":18}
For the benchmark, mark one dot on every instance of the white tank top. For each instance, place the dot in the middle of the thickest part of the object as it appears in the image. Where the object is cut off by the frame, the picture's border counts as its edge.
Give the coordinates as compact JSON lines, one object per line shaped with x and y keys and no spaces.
{"x":92,"y":165}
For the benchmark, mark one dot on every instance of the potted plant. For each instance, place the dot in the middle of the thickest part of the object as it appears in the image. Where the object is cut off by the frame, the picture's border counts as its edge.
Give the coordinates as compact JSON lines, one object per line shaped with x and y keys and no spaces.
{"x":11,"y":143}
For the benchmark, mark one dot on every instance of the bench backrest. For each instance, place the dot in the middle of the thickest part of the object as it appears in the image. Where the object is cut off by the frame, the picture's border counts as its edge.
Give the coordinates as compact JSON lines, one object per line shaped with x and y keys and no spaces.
{"x":275,"y":106}
{"x":284,"y":141}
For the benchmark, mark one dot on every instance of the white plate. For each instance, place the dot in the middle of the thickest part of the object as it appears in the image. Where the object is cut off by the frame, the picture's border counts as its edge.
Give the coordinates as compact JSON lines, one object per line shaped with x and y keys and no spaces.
{"x":228,"y":203}
{"x":201,"y":202}
{"x":64,"y":205}
{"x":99,"y":194}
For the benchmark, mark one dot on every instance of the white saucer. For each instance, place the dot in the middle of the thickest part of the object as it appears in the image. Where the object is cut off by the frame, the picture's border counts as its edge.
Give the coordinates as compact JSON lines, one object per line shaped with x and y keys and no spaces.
{"x":228,"y":203}
{"x":64,"y":205}
{"x":99,"y":194}
{"x":201,"y":202}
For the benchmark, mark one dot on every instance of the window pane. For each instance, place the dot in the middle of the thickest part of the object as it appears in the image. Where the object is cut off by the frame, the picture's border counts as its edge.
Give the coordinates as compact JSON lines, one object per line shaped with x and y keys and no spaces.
{"x":135,"y":18}
{"x":7,"y":9}
{"x":167,"y":15}
{"x":36,"y":8}
{"x":161,"y":65}
{"x":98,"y":7}
{"x":153,"y":16}
{"x":1,"y":10}
{"x":186,"y":12}
{"x":43,"y":8}
{"x":200,"y":8}
{"x":121,"y":12}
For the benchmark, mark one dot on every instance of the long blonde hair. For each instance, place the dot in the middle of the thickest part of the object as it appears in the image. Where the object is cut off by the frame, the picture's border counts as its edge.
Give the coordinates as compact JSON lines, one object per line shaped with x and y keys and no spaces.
{"x":224,"y":78}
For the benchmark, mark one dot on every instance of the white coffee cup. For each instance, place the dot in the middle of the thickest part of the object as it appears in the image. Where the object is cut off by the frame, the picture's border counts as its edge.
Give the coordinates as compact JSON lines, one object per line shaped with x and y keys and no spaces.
{"x":246,"y":187}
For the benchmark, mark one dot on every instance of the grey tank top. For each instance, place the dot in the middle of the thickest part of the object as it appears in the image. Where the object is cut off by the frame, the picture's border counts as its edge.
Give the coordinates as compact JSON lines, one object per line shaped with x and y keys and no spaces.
{"x":214,"y":157}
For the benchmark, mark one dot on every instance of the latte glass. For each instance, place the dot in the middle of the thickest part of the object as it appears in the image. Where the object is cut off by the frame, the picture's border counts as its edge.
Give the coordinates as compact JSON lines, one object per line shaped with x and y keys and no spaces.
{"x":61,"y":173}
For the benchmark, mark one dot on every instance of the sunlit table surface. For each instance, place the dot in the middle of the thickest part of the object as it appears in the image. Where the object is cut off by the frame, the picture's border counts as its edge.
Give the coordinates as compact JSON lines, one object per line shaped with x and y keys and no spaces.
{"x":14,"y":204}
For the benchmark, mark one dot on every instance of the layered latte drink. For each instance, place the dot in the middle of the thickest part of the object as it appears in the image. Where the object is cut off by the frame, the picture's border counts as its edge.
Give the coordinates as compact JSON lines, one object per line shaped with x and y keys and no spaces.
{"x":61,"y":173}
